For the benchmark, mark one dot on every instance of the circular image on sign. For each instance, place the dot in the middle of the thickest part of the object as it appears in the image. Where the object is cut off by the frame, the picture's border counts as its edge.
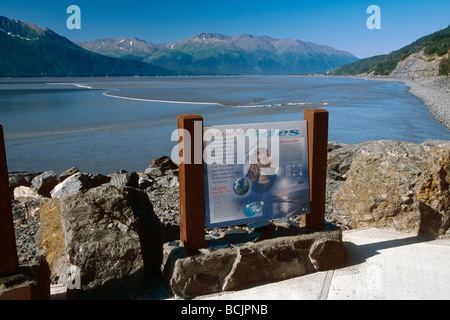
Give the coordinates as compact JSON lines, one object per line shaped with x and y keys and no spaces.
{"x":253,"y":209}
{"x":241,"y":186}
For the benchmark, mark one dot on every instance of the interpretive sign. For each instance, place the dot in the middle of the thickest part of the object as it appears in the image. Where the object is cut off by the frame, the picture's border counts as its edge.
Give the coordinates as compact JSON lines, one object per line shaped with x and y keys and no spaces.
{"x":193,"y":159}
{"x":255,"y":172}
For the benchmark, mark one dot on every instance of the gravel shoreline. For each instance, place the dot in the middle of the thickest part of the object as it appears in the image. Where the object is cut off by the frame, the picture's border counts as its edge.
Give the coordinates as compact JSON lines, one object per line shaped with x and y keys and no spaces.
{"x":433,"y":91}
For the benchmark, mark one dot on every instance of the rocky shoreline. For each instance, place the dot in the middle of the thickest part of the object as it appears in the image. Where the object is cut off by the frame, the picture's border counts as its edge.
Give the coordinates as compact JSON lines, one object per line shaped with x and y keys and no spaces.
{"x":434,"y":91}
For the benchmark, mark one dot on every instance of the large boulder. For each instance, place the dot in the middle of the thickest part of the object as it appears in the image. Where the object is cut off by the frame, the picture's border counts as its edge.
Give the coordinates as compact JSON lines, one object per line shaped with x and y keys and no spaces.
{"x":227,"y":268}
{"x":109,"y":235}
{"x":397,"y":185}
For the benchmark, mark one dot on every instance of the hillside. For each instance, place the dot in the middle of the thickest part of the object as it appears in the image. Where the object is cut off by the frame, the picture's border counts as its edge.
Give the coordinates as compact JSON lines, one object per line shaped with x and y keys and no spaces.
{"x":27,"y":50}
{"x":213,"y":53}
{"x":428,"y":55}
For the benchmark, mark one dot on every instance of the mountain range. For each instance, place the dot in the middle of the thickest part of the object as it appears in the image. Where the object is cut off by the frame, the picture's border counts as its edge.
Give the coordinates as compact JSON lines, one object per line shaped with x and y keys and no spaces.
{"x":27,"y":50}
{"x":215,"y":53}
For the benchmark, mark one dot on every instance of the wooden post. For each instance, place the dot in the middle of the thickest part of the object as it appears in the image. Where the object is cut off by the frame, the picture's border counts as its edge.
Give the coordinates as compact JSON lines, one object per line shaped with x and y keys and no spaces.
{"x":191,"y":180}
{"x":8,"y":250}
{"x":317,"y":147}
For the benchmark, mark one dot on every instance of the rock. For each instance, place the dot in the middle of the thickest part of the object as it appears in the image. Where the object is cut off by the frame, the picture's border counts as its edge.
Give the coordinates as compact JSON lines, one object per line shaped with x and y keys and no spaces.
{"x":26,"y":224}
{"x":45,"y":182}
{"x":327,"y":254}
{"x":23,"y":192}
{"x":98,"y":179}
{"x":21,"y":178}
{"x":171,"y":173}
{"x":122,"y":178}
{"x":340,"y":158}
{"x":110,"y":234}
{"x":144,"y":181}
{"x":333,"y":145}
{"x":64,"y":175}
{"x":247,"y":269}
{"x":50,"y":237}
{"x":153,"y":172}
{"x":72,"y":184}
{"x":194,"y":273}
{"x":162,"y":181}
{"x":163,"y":164}
{"x":397,"y":185}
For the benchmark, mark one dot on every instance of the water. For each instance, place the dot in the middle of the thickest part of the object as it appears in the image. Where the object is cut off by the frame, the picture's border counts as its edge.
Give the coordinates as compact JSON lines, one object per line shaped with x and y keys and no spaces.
{"x":102,"y":125}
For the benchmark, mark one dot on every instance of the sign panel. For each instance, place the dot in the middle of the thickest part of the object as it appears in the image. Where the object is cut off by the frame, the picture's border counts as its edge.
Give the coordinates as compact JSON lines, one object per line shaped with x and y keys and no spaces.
{"x":255,"y":172}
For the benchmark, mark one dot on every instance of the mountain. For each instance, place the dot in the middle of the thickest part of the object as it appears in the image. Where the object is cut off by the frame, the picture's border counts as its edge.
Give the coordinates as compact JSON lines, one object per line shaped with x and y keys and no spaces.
{"x":132,"y":48}
{"x":27,"y":50}
{"x":215,"y":53}
{"x":428,"y":55}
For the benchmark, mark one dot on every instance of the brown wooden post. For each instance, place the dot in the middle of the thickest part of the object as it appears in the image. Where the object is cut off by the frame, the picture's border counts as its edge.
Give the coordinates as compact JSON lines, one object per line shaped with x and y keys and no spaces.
{"x":317,"y":147}
{"x":191,"y":180}
{"x":8,"y":250}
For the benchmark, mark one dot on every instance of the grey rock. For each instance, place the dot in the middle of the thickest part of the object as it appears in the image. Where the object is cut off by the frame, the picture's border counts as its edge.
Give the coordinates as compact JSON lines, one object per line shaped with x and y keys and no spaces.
{"x":64,"y":175}
{"x":153,"y":172}
{"x":193,"y":273}
{"x":162,"y":181}
{"x":26,"y":224}
{"x":22,"y":178}
{"x":72,"y":184}
{"x":45,"y":182}
{"x":110,"y":234}
{"x":122,"y":178}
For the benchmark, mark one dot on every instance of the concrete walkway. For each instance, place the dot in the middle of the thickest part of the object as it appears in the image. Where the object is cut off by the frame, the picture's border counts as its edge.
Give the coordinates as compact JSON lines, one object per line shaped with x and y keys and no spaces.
{"x":381,"y":265}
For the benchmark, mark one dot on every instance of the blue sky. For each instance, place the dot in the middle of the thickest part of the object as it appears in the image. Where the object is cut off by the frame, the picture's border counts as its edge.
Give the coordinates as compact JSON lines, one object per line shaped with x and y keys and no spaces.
{"x":340,"y":24}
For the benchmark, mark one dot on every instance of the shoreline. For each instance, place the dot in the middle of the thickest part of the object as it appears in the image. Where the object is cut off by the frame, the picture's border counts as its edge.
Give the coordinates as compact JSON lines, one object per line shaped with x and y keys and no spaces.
{"x":434,"y":91}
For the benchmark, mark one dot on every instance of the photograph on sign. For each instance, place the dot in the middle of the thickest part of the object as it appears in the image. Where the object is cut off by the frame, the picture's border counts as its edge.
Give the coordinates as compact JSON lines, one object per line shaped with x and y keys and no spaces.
{"x":255,"y":172}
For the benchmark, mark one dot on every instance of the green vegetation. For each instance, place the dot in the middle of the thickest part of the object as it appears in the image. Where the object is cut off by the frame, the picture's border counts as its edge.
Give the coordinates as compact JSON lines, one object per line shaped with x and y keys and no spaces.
{"x":437,"y":43}
{"x":444,"y":67}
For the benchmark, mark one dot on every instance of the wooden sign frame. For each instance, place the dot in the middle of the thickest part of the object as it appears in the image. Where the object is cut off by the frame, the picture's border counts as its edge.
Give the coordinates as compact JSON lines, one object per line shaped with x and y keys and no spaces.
{"x":191,"y":175}
{"x":9,"y":262}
